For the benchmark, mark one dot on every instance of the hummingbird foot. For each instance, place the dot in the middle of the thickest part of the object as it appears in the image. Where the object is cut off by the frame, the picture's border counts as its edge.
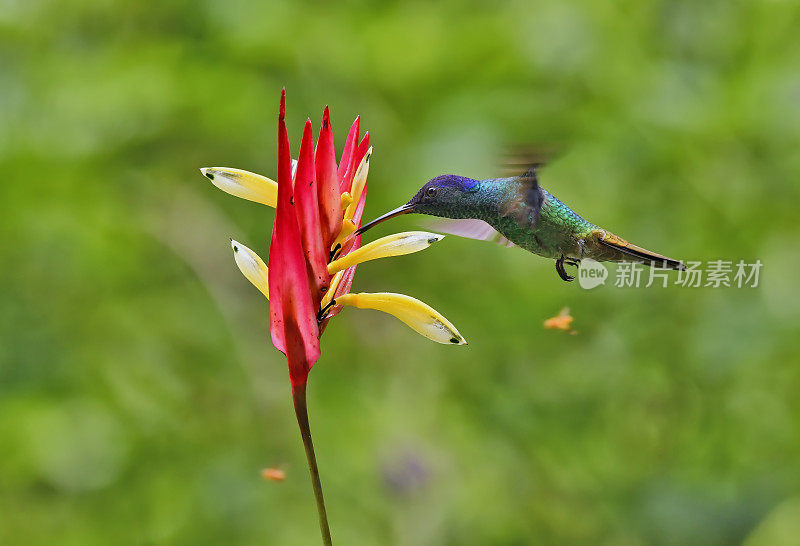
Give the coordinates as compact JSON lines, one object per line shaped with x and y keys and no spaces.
{"x":582,"y":246}
{"x":560,"y":267}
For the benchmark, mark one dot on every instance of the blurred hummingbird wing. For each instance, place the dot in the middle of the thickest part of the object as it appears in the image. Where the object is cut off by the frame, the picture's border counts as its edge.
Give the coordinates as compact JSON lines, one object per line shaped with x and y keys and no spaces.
{"x":526,"y":203}
{"x":471,"y":228}
{"x":517,"y":158}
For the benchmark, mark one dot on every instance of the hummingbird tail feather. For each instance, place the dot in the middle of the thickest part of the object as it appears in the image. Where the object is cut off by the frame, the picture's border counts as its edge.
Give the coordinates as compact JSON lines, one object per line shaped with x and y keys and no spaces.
{"x":640,"y":254}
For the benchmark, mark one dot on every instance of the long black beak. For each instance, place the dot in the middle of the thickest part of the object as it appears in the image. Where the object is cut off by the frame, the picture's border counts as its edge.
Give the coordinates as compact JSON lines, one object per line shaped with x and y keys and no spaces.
{"x":405,"y":209}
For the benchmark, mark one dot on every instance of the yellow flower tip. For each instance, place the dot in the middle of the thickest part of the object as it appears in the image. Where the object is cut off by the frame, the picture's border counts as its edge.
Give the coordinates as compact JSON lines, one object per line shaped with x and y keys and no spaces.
{"x":359,"y":181}
{"x":420,"y":316}
{"x":335,"y":282}
{"x":348,"y":227}
{"x":244,"y":184}
{"x":252,"y":267}
{"x":392,"y":245}
{"x":347,"y":198}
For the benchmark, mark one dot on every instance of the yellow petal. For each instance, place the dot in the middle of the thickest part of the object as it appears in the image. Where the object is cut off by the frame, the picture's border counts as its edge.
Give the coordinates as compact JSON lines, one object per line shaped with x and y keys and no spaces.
{"x":244,"y":184}
{"x":391,"y":245}
{"x":359,"y":181}
{"x":346,"y":200}
{"x":418,"y":315}
{"x":348,"y":227}
{"x":335,"y":281}
{"x":251,"y":266}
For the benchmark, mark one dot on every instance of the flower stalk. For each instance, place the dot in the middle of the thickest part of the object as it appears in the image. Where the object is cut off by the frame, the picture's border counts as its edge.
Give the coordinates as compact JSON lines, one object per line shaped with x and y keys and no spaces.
{"x":301,"y":411}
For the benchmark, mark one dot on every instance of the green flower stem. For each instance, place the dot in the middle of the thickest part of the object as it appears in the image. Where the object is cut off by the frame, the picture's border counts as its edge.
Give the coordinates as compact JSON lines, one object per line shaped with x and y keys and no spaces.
{"x":301,"y":411}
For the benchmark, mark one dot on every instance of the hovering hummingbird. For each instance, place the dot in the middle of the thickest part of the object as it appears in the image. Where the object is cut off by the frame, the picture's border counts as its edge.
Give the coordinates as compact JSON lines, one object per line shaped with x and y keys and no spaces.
{"x":517,"y":211}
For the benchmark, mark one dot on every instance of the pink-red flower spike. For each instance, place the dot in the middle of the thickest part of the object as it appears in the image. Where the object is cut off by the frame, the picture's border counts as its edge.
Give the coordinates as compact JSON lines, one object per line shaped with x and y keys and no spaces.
{"x":329,"y":197}
{"x":305,"y":195}
{"x":345,"y":165}
{"x":293,"y":323}
{"x":361,"y":151}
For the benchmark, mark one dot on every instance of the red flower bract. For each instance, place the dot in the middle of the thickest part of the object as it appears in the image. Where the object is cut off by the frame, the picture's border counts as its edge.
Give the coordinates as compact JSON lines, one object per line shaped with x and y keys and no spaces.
{"x":330,"y":203}
{"x":308,"y":219}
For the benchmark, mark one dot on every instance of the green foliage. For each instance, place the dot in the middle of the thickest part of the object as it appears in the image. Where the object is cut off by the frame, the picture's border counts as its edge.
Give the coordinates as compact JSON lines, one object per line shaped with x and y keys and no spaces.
{"x":140,"y":395}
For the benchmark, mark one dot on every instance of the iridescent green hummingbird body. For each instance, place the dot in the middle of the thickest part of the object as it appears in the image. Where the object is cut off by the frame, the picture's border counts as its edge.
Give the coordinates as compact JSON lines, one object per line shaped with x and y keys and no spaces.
{"x":517,"y":210}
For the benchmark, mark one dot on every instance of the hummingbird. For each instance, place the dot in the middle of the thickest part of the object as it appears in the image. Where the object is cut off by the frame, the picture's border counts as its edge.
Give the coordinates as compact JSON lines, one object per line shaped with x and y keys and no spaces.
{"x":517,"y":211}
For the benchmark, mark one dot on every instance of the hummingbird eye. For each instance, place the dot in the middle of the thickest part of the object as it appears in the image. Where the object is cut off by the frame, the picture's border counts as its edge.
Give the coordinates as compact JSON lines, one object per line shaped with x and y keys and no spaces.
{"x":431,"y":192}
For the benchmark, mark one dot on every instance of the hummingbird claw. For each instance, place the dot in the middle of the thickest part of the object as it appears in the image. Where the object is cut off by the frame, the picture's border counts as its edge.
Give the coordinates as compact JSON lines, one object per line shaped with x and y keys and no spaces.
{"x":560,"y":267}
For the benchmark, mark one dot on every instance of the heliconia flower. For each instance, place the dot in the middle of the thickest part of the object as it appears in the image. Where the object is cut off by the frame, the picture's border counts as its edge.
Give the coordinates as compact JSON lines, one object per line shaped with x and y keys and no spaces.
{"x":314,"y":253}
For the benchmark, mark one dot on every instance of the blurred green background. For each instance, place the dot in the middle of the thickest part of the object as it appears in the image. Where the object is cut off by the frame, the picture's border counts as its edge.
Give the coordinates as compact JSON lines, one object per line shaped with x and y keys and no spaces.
{"x":140,"y":395}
